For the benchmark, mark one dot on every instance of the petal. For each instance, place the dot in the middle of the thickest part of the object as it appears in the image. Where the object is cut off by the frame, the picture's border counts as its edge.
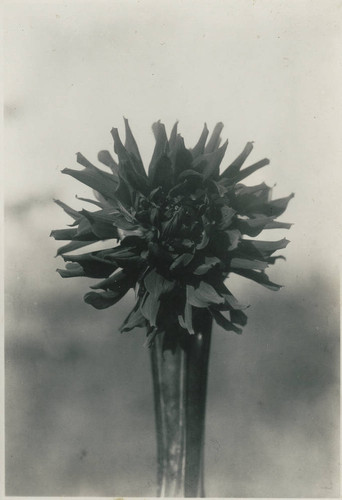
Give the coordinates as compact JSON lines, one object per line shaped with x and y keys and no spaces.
{"x":73,"y":245}
{"x":248,"y":264}
{"x":72,"y":270}
{"x":181,"y":157}
{"x":63,"y":234}
{"x":203,"y":296}
{"x":134,"y":320}
{"x":199,"y":148}
{"x":238,"y":317}
{"x":106,"y":158}
{"x":82,"y":160}
{"x":162,"y":174}
{"x":102,"y":224}
{"x":260,"y":250}
{"x":149,"y":308}
{"x":209,"y":163}
{"x":188,"y":318}
{"x":259,"y":277}
{"x":70,"y":211}
{"x":124,"y":193}
{"x":222,"y":321}
{"x":93,"y":266}
{"x":157,"y":285}
{"x":100,"y":181}
{"x":277,"y":207}
{"x":102,"y":300}
{"x":130,"y":143}
{"x":111,"y":283}
{"x":210,"y":262}
{"x":88,"y":200}
{"x":253,"y":227}
{"x":215,"y":139}
{"x":173,"y":136}
{"x":248,"y":171}
{"x":130,"y":168}
{"x":161,"y":146}
{"x":227,"y":214}
{"x":233,"y":169}
{"x":181,"y":261}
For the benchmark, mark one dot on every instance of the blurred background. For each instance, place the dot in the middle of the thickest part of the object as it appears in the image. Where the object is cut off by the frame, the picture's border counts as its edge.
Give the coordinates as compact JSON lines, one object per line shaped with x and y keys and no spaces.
{"x":79,"y":409}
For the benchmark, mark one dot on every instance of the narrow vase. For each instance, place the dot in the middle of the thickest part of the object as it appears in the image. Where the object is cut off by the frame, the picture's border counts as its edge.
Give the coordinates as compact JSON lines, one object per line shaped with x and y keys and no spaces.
{"x":180,"y":387}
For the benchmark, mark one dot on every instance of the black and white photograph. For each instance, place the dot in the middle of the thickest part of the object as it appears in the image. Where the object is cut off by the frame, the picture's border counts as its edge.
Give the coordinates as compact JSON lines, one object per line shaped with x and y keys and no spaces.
{"x":172,"y":173}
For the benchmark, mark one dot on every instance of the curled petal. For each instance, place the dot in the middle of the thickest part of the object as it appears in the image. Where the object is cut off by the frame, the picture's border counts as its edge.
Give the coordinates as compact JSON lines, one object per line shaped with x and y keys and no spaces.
{"x":106,"y":158}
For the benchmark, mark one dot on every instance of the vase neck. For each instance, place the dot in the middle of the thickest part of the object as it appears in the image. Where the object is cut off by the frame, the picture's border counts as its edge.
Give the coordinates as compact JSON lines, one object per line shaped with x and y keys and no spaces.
{"x":180,"y":386}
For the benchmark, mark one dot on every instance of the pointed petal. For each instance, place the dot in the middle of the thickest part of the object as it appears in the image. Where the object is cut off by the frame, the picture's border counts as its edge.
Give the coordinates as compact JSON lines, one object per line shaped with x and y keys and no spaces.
{"x":100,"y":181}
{"x":253,"y":227}
{"x":188,"y":318}
{"x":209,"y":163}
{"x":250,"y":170}
{"x":134,"y":320}
{"x":181,"y":157}
{"x":73,"y":245}
{"x":149,"y":308}
{"x":162,"y":174}
{"x":82,"y":160}
{"x":215,"y":139}
{"x":70,"y":211}
{"x":130,"y":168}
{"x":238,"y":263}
{"x":260,"y":250}
{"x":235,"y":166}
{"x":102,"y":224}
{"x":259,"y":277}
{"x":214,"y":159}
{"x":277,"y":207}
{"x":222,"y":321}
{"x":119,"y":148}
{"x":130,"y":143}
{"x":173,"y":136}
{"x":63,"y":234}
{"x":88,"y":200}
{"x":161,"y":146}
{"x":199,"y":148}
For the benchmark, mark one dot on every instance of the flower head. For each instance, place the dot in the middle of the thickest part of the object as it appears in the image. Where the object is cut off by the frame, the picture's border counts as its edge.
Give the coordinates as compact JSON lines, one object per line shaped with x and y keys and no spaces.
{"x":180,"y":231}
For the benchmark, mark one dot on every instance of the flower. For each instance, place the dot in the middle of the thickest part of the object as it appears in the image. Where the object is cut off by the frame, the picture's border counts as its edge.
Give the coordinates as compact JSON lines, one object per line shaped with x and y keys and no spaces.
{"x":180,"y":228}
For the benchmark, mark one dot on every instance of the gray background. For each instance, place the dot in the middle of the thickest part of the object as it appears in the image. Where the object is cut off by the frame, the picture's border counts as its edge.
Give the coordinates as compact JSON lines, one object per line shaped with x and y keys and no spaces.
{"x":79,"y":409}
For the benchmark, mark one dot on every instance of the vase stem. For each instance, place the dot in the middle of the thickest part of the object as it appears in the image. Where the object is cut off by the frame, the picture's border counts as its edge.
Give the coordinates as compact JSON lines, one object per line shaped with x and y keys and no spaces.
{"x":196,"y":375}
{"x":169,"y":377}
{"x":180,"y":386}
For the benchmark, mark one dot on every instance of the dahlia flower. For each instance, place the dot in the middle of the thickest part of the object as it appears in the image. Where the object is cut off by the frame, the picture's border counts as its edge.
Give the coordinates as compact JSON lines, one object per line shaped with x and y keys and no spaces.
{"x":180,"y":231}
{"x":174,"y":233}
